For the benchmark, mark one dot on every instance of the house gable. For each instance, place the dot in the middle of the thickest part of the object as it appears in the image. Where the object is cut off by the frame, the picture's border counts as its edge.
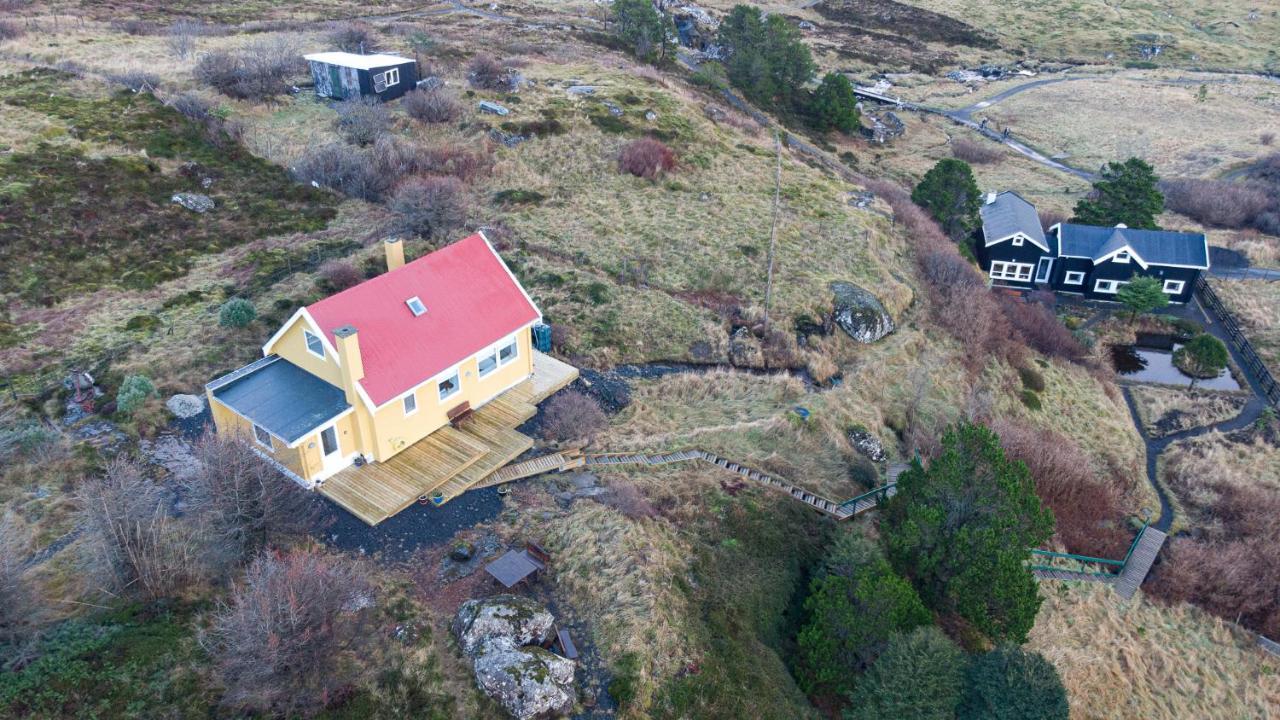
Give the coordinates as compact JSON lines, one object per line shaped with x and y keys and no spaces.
{"x":291,"y":343}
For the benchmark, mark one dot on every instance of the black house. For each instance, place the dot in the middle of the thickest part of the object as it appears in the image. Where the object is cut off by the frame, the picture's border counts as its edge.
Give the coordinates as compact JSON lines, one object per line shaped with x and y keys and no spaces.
{"x":1084,"y":259}
{"x":343,"y":75}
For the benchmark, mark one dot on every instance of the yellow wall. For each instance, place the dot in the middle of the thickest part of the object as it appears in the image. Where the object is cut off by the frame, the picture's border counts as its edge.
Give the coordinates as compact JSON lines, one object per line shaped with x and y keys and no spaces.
{"x":302,"y":463}
{"x":292,"y":346}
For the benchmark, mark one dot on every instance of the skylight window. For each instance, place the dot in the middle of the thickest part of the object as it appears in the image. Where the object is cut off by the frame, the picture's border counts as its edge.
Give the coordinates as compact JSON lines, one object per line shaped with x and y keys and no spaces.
{"x":415,"y":306}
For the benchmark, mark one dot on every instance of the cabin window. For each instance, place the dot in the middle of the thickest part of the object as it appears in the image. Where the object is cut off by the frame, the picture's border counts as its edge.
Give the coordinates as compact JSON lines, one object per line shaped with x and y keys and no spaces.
{"x":314,"y":345}
{"x":392,"y":77}
{"x":508,"y":352}
{"x":1073,"y":277}
{"x":263,"y":437}
{"x":1174,"y":287}
{"x":1010,"y":271}
{"x":1017,"y":241}
{"x":415,"y":306}
{"x":410,"y":404}
{"x":488,"y":362}
{"x":449,"y":386}
{"x":1108,"y":286}
{"x":1121,"y":257}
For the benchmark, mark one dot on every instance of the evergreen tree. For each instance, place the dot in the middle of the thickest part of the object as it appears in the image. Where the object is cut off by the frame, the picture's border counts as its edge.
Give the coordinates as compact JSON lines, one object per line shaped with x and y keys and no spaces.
{"x":1127,"y":194}
{"x":1142,"y":294}
{"x":1010,"y":683}
{"x":962,"y":530}
{"x":920,"y":676}
{"x":834,"y":106}
{"x":950,"y":194}
{"x":855,"y":604}
{"x":766,"y":58}
{"x":1204,"y":356}
{"x":646,"y":32}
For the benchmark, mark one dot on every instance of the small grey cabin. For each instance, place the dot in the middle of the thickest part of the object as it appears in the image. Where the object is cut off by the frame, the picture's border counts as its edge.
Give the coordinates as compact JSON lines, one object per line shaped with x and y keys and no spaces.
{"x":343,"y":75}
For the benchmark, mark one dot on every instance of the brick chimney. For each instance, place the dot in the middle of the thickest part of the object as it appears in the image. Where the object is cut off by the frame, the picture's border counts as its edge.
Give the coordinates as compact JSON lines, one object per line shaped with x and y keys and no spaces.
{"x":395,"y":253}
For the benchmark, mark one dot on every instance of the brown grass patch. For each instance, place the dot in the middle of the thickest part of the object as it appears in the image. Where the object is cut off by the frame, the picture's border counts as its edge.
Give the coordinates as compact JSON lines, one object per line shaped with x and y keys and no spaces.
{"x":1167,"y":410}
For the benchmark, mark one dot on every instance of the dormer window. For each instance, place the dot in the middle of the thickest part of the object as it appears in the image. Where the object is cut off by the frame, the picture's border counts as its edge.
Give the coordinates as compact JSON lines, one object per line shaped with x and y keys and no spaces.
{"x":415,"y":306}
{"x":1122,"y":257}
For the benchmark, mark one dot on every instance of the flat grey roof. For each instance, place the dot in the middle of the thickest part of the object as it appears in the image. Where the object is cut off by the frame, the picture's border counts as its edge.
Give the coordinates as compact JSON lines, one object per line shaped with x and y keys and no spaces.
{"x":281,"y":397}
{"x":1161,"y":247}
{"x":1008,"y":214}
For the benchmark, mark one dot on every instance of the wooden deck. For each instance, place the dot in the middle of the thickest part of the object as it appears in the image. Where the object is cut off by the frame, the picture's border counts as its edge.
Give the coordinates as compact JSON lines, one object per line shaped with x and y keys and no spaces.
{"x":549,"y":376}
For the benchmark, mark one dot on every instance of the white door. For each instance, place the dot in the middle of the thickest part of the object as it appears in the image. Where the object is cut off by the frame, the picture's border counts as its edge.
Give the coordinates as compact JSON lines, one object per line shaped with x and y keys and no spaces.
{"x":330,"y":452}
{"x":1043,"y":269}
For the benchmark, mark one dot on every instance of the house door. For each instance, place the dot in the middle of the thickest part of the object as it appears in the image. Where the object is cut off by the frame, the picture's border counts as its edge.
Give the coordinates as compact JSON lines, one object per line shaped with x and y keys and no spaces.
{"x":331,"y":454}
{"x":336,"y":89}
{"x":1043,"y":269}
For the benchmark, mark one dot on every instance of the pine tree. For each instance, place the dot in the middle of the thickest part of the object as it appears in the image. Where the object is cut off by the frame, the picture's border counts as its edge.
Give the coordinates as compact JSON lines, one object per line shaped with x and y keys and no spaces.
{"x":1127,"y":193}
{"x":646,"y":32}
{"x":1142,"y":294}
{"x":951,"y":195}
{"x":920,"y":676}
{"x":1010,"y":683}
{"x":834,"y":106}
{"x":766,"y":58}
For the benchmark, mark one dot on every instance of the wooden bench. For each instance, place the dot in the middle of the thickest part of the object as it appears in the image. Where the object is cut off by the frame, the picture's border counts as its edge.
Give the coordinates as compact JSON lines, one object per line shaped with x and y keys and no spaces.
{"x":459,"y":414}
{"x":537,"y":554}
{"x":561,"y":644}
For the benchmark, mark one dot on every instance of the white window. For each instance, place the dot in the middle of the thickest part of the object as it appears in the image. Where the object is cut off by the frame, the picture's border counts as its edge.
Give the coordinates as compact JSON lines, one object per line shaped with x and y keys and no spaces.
{"x":449,"y":386}
{"x":415,"y":306}
{"x":508,"y":352}
{"x":1010,"y":271}
{"x":488,"y":362}
{"x":314,"y":345}
{"x":1073,"y":277}
{"x":410,"y":404}
{"x":1017,"y":241}
{"x":1174,"y":287}
{"x":1121,"y":257}
{"x":392,"y":77}
{"x":1109,"y":286}
{"x":263,"y":437}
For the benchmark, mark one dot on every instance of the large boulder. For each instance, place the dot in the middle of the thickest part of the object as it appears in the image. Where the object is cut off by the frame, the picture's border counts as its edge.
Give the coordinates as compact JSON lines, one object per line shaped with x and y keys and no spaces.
{"x":519,"y":619}
{"x":859,"y":313}
{"x":529,"y":682}
{"x":866,"y":443}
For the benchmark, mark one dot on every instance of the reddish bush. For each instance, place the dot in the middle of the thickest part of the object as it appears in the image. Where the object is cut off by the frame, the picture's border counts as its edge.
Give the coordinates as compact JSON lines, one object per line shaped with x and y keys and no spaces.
{"x":646,"y":158}
{"x":1049,"y":218}
{"x":572,"y":416}
{"x":975,"y":152}
{"x":1232,"y":579}
{"x":486,"y":73}
{"x":340,"y":274}
{"x":431,"y":207}
{"x":628,"y":500}
{"x":1217,"y":202}
{"x":433,"y":105}
{"x":1041,"y":329}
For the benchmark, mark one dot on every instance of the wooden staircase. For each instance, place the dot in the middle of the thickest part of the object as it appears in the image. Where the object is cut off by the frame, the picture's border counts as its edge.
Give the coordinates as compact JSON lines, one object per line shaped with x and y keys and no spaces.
{"x":1139,"y":562}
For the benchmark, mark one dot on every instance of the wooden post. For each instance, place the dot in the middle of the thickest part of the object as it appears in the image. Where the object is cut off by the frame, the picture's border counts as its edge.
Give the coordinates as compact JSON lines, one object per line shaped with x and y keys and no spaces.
{"x":773,"y":227}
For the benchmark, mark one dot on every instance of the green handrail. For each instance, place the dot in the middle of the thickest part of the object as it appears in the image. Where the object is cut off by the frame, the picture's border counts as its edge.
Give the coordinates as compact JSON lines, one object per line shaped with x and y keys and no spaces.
{"x":1079,"y":558}
{"x":874,"y":491}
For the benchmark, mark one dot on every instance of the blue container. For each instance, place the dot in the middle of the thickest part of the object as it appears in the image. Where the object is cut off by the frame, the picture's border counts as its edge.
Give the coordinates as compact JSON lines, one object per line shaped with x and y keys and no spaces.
{"x":542,"y":337}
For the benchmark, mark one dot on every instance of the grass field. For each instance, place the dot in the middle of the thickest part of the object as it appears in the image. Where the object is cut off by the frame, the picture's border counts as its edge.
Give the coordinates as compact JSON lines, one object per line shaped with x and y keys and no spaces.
{"x":1256,"y":306}
{"x":1200,"y":469}
{"x":1165,"y":410}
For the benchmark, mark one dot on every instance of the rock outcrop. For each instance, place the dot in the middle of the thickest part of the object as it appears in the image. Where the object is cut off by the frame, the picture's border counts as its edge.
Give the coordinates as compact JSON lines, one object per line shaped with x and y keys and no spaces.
{"x":867,"y":444}
{"x":859,"y":313}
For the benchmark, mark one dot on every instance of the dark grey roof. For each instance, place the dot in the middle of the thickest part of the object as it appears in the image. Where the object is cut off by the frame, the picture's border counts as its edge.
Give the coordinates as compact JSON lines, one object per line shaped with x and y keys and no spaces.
{"x":286,"y":400}
{"x":1008,"y":213}
{"x":1159,"y":247}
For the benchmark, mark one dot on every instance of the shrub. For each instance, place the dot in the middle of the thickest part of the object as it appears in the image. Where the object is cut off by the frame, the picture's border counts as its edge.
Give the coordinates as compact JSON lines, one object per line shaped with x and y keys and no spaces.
{"x":236,"y":313}
{"x":975,"y":153}
{"x":1218,"y":202}
{"x":133,"y":392}
{"x":431,"y":207}
{"x":1204,"y":356}
{"x":1040,"y":328}
{"x":920,"y":676}
{"x":259,"y":71}
{"x":432,"y":105}
{"x":22,"y":609}
{"x":181,"y":39}
{"x":485,"y":73}
{"x":1265,"y":139}
{"x":135,"y":80}
{"x":288,"y":639}
{"x":25,"y":439}
{"x":950,"y":194}
{"x":646,"y":158}
{"x":352,"y":37}
{"x":343,"y":168}
{"x":134,"y":27}
{"x":340,"y":274}
{"x":1031,"y":379}
{"x":10,"y":30}
{"x":362,"y":120}
{"x":1010,"y":683}
{"x":571,"y":416}
{"x":1030,"y":399}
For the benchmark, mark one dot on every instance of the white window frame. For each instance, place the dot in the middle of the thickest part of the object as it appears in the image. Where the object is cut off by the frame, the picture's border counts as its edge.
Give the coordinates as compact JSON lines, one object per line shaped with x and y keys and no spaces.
{"x":1073,"y":277}
{"x":490,"y":354}
{"x":512,"y":343}
{"x":1017,"y":272}
{"x":1114,"y":284}
{"x":414,"y":303}
{"x":1122,"y":257}
{"x":410,"y":404}
{"x":391,"y":77}
{"x":258,"y":433}
{"x":1017,"y":241}
{"x":1181,"y":285}
{"x":456,"y":379}
{"x":307,"y":338}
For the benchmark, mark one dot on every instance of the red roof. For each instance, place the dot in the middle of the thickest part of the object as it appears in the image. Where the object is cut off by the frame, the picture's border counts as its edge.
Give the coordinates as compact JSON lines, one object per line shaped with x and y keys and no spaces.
{"x":472,"y":302}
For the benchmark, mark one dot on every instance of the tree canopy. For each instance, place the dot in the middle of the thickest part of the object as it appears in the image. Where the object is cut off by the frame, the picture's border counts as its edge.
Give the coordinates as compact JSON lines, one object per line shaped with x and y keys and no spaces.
{"x":644,"y":30}
{"x":855,"y":604}
{"x":920,"y":676}
{"x":950,"y":194}
{"x":1204,"y":356}
{"x":1127,"y":193}
{"x":1010,"y":683}
{"x":963,"y":528}
{"x":834,"y":106}
{"x":766,"y":58}
{"x":1143,"y":294}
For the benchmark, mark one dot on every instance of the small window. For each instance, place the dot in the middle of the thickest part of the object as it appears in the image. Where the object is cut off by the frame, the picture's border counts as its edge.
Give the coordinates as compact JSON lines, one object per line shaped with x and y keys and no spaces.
{"x":1010,"y":271}
{"x":415,"y":306}
{"x":449,"y":386}
{"x":1017,"y":242}
{"x":410,"y":404}
{"x":1174,"y":287}
{"x":1073,"y":277}
{"x":488,"y":363}
{"x":263,"y":437}
{"x":1121,"y":257}
{"x":392,"y":77}
{"x":314,"y":345}
{"x":508,"y":352}
{"x":1108,"y":286}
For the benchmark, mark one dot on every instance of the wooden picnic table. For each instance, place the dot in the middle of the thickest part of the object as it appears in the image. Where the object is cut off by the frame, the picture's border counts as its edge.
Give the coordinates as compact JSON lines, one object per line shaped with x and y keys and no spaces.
{"x":513,"y":567}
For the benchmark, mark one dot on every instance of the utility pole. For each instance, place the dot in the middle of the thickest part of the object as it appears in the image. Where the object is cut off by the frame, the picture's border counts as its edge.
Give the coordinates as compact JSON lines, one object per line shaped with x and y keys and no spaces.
{"x":773,"y":227}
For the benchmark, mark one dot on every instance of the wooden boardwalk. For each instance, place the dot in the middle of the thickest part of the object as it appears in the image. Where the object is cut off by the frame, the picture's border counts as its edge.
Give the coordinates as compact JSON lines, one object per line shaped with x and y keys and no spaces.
{"x":1139,"y":562}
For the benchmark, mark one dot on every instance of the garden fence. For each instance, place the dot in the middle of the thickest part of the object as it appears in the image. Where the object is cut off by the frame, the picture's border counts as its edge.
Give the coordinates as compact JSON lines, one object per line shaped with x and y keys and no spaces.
{"x":1266,"y":381}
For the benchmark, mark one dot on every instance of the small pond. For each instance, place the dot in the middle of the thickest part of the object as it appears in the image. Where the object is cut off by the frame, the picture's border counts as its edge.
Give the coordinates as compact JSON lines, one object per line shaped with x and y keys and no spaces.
{"x":1140,"y":363}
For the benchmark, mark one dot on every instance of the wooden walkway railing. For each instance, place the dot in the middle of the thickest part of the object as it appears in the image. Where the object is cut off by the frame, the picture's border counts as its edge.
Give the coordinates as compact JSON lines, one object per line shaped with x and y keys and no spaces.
{"x":1266,"y":381}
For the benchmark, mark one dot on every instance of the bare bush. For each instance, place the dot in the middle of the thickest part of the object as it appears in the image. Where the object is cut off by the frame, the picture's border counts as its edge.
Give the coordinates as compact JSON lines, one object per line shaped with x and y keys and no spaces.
{"x":1049,"y":218}
{"x":1232,"y":579}
{"x":646,"y":158}
{"x":181,"y":39}
{"x":362,"y":120}
{"x":288,"y":640}
{"x":343,"y":168}
{"x":10,"y":30}
{"x":433,"y":105}
{"x":134,"y":544}
{"x":975,"y":152}
{"x":352,"y":37}
{"x":134,"y":26}
{"x":1265,"y":139}
{"x":780,"y":349}
{"x":572,"y":416}
{"x":1041,"y":329}
{"x":430,"y":206}
{"x":948,"y":270}
{"x":340,"y":274}
{"x":485,"y":73}
{"x":259,"y":71}
{"x":22,"y":610}
{"x":627,"y":499}
{"x":1217,"y":202}
{"x":135,"y":80}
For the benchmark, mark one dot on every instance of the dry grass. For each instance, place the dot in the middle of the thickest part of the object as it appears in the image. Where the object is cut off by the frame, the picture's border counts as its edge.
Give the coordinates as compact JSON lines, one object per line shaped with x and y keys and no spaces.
{"x":1199,"y":469}
{"x":1262,"y":250}
{"x":1256,"y":305}
{"x":1137,"y":659}
{"x":1166,"y":410}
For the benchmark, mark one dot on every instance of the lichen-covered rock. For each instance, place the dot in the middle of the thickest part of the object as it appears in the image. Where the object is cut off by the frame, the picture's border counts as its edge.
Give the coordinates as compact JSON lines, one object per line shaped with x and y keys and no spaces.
{"x":185,"y":406}
{"x":519,"y":619}
{"x":195,"y":202}
{"x":529,"y":682}
{"x":859,"y":313}
{"x":867,"y":444}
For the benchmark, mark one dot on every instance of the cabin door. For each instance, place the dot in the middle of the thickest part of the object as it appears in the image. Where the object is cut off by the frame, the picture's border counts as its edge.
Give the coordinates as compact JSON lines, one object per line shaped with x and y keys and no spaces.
{"x":336,"y":88}
{"x":330,"y":452}
{"x":1043,"y":269}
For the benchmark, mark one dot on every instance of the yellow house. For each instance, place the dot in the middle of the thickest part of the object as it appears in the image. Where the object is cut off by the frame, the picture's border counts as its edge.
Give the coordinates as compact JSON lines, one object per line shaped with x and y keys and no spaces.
{"x":387,"y":391}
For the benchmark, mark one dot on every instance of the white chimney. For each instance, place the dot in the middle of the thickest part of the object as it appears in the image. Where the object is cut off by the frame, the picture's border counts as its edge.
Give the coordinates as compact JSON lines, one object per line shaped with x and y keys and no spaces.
{"x":991,"y":197}
{"x":1122,"y":226}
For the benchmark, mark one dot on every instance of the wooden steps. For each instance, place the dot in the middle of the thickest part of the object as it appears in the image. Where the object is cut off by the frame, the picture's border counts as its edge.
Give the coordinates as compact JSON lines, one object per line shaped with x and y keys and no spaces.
{"x":1139,"y":562}
{"x":1048,"y":574}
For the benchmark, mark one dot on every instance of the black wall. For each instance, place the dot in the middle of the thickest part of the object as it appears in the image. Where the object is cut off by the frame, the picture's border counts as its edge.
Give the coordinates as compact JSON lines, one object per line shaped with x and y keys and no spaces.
{"x":408,"y":80}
